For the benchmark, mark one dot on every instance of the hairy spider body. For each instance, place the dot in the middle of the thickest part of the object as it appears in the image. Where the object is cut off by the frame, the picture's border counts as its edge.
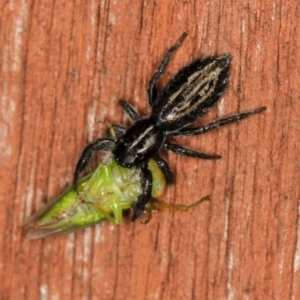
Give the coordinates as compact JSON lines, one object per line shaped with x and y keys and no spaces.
{"x":187,"y":97}
{"x":139,"y":143}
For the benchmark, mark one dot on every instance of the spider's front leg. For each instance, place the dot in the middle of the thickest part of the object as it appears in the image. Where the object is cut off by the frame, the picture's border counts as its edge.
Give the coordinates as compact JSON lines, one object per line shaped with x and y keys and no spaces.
{"x":165,"y":168}
{"x":104,"y":144}
{"x":146,"y":182}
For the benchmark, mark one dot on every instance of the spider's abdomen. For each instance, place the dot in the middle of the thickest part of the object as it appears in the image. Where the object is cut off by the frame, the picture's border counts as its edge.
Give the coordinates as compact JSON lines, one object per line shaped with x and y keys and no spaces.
{"x":191,"y":92}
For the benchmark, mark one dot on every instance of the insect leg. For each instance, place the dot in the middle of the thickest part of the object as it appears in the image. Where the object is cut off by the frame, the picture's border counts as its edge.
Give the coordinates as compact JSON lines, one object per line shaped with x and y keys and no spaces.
{"x":146,"y":182}
{"x":117,"y":131}
{"x":152,"y":93}
{"x":105,"y":144}
{"x":130,"y":110}
{"x":218,"y":123}
{"x":154,"y":206}
{"x":165,"y":168}
{"x":189,"y":152}
{"x":181,"y":207}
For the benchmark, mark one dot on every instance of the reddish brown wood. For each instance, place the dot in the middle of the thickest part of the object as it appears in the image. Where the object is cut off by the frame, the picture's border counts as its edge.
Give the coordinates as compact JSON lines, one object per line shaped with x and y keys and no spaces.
{"x":64,"y":65}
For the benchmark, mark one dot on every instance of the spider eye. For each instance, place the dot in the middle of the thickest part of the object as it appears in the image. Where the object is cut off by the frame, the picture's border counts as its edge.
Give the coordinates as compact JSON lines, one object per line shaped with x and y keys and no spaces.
{"x":123,"y":142}
{"x":139,"y":156}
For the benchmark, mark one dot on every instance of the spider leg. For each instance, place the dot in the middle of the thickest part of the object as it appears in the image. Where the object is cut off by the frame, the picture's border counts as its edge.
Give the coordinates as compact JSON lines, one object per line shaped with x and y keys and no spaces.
{"x":165,"y":168}
{"x":189,"y":152}
{"x":152,"y":92}
{"x":104,"y":144}
{"x":129,"y":110}
{"x":146,"y":182}
{"x":218,"y":123}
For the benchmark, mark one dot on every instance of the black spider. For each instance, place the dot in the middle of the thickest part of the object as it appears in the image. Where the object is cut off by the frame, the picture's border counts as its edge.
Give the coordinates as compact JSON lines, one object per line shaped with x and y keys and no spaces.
{"x":187,"y":97}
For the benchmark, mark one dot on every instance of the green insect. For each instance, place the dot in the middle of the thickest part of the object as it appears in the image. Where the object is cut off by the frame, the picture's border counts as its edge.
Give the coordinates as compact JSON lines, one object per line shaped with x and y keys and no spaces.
{"x":102,"y":195}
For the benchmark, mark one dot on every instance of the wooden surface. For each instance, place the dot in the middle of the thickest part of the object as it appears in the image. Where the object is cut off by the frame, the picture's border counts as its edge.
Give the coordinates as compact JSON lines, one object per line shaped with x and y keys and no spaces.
{"x":65,"y":64}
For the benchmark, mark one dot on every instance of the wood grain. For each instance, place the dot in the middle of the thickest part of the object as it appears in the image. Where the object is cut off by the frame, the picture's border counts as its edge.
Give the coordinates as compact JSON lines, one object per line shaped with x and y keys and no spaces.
{"x":65,"y":64}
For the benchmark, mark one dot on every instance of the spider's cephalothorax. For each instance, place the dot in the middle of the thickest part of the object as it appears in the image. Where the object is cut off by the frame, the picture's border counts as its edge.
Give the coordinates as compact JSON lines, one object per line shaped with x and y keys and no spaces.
{"x":187,"y":97}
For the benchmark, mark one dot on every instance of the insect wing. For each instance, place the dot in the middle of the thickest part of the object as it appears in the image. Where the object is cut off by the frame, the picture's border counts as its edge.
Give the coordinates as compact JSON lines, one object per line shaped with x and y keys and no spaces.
{"x":191,"y":93}
{"x":41,"y":211}
{"x":39,"y":233}
{"x":69,"y":213}
{"x":96,"y":198}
